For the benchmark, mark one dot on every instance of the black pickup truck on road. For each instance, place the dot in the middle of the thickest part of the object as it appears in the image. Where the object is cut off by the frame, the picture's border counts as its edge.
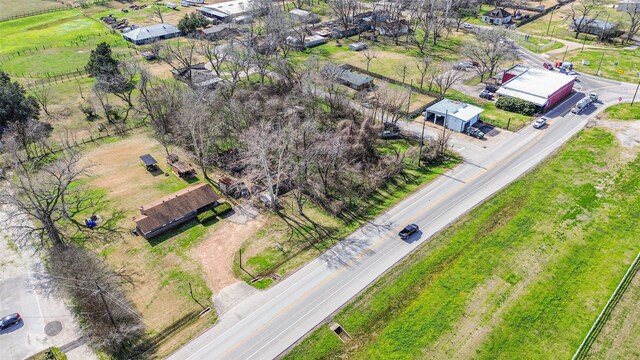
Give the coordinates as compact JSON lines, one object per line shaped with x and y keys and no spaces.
{"x":408,"y":231}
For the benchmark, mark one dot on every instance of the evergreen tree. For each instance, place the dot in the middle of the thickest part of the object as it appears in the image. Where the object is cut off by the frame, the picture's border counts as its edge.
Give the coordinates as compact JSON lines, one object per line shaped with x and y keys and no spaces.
{"x":15,"y":106}
{"x":191,"y":22}
{"x":101,"y":62}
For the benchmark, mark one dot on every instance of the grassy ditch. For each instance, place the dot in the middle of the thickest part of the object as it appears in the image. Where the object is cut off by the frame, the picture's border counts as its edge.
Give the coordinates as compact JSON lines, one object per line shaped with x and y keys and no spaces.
{"x":623,"y":112}
{"x":528,"y":271}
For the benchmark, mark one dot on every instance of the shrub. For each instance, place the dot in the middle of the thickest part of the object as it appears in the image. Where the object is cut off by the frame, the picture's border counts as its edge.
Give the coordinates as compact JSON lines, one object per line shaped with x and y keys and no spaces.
{"x":516,"y":105}
{"x":223,"y":208}
{"x":206,"y":216}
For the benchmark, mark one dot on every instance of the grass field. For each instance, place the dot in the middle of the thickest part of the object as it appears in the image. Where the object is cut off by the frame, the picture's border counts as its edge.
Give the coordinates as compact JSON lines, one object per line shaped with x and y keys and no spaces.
{"x":620,"y":336}
{"x":492,"y":114}
{"x":624,"y":111}
{"x":10,"y":8}
{"x":526,"y":272}
{"x":58,"y":42}
{"x":626,"y":69}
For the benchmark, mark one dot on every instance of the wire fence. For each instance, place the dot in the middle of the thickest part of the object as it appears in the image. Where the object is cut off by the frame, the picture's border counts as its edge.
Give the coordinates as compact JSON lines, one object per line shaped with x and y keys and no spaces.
{"x":583,"y":350}
{"x":81,"y":41}
{"x":51,"y":9}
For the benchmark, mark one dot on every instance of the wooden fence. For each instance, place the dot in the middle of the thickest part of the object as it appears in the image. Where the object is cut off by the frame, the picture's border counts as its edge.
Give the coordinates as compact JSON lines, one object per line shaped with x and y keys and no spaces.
{"x":437,"y":97}
{"x":37,"y":12}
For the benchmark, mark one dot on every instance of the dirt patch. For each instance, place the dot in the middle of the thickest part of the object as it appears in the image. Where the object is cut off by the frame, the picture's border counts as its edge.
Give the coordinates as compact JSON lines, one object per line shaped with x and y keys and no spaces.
{"x":627,"y":132}
{"x":216,"y":253}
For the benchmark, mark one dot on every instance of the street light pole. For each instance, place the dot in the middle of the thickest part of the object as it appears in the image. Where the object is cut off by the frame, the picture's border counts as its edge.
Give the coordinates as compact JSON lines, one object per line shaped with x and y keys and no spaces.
{"x":422,"y":139}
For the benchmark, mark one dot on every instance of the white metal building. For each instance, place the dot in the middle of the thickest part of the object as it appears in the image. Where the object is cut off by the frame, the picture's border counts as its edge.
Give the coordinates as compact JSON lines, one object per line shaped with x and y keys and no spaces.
{"x":455,"y":115}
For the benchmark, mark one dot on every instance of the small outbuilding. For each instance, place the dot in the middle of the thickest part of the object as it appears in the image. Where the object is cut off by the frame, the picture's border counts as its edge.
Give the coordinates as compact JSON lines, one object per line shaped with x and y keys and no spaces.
{"x":303,"y":16}
{"x":149,"y":34}
{"x":309,"y":41}
{"x":218,"y":32}
{"x":455,"y":115}
{"x":180,"y":168}
{"x":149,"y":162}
{"x":358,"y":46}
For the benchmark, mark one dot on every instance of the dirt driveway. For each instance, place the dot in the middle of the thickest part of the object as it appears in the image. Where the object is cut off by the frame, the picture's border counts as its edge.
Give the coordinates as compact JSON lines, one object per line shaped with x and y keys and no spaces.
{"x":216,"y":254}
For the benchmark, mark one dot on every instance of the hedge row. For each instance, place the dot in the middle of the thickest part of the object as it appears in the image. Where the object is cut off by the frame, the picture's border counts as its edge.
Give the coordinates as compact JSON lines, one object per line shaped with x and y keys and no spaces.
{"x":516,"y":105}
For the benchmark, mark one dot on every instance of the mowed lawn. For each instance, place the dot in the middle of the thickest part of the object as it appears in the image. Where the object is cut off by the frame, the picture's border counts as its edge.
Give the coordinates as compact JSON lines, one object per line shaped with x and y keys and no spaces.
{"x":527,"y":272}
{"x":617,"y":64}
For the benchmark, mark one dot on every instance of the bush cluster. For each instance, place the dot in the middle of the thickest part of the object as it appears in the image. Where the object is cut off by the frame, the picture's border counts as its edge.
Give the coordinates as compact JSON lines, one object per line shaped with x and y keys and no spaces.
{"x":206,"y":216}
{"x":516,"y":105}
{"x":223,"y":208}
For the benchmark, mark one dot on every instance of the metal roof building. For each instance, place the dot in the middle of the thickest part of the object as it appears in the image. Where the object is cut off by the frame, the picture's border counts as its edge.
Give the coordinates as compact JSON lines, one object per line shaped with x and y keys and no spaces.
{"x":455,"y":115}
{"x":227,"y":10}
{"x":541,"y":87}
{"x":147,"y":34}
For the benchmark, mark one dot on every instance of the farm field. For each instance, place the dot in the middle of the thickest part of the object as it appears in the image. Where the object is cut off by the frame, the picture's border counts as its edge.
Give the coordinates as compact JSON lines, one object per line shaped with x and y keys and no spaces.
{"x":528,"y":271}
{"x":11,"y":8}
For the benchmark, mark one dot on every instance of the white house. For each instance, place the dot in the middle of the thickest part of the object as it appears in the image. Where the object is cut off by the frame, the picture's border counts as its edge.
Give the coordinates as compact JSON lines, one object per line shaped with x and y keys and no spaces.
{"x":497,"y":16}
{"x":455,"y":115}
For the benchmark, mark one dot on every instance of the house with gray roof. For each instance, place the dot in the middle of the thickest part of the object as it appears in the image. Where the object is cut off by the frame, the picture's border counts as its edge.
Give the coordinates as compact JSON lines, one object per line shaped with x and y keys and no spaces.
{"x":148,"y":34}
{"x":349,"y":78}
{"x":594,"y":26}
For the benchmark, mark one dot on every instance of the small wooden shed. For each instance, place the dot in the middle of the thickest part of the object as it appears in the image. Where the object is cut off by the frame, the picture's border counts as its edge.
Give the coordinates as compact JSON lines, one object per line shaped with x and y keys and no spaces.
{"x":180,"y":168}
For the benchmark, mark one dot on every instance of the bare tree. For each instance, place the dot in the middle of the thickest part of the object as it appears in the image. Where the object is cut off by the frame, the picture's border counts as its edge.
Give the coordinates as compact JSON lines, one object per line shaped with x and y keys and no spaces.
{"x":161,"y":100}
{"x":157,"y":11}
{"x":344,"y":10}
{"x":491,"y":48}
{"x":42,"y":94}
{"x":446,"y":77}
{"x":198,"y":131}
{"x":369,"y":55}
{"x":633,"y":10}
{"x":215,"y":55}
{"x":44,"y":203}
{"x":108,"y":319}
{"x":463,"y":10}
{"x":266,"y":147}
{"x":423,"y":67}
{"x":390,"y":102}
{"x":28,"y":138}
{"x":122,"y":84}
{"x":583,"y":13}
{"x":179,"y":54}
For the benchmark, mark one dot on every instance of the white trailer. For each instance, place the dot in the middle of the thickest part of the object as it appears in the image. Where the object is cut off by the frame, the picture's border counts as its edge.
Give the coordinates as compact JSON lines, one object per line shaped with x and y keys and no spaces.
{"x":584,"y":103}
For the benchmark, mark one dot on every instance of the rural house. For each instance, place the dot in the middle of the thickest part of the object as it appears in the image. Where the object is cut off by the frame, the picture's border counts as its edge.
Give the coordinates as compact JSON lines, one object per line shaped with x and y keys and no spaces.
{"x":595,"y":27}
{"x":497,"y":16}
{"x":175,"y":209}
{"x":197,"y":76}
{"x":149,"y":34}
{"x":218,"y":32}
{"x":631,"y":6}
{"x":309,"y":41}
{"x":454,"y":115}
{"x":349,"y":78}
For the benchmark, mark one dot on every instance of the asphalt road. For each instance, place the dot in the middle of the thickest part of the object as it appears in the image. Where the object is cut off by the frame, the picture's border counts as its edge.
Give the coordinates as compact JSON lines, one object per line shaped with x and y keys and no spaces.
{"x":268,"y":323}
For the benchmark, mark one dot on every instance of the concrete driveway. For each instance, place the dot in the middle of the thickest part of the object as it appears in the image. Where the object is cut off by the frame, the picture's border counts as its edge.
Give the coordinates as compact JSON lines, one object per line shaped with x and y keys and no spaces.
{"x":47,"y":321}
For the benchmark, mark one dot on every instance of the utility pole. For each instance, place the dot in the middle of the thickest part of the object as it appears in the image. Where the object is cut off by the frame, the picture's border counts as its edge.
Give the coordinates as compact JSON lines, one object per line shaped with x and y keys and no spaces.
{"x":550,"y":17}
{"x":598,"y":71}
{"x":422,"y":140}
{"x":583,"y":42}
{"x":194,"y":298}
{"x":565,"y":53}
{"x":634,"y":94}
{"x":409,"y":100}
{"x":106,"y":306}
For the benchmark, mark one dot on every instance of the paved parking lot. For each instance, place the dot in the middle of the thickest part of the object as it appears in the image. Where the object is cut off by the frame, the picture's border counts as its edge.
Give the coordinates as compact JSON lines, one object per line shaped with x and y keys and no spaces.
{"x":46,"y":320}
